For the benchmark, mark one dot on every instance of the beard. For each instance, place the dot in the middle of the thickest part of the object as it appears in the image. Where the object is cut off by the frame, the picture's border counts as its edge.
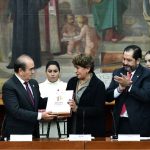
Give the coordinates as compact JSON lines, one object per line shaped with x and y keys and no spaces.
{"x":129,"y":68}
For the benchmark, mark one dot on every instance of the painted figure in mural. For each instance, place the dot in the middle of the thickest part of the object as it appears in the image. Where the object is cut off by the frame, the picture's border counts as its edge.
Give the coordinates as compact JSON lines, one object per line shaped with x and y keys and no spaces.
{"x":26,"y":34}
{"x":147,"y":59}
{"x":146,"y":11}
{"x":88,"y":36}
{"x":108,"y":16}
{"x":69,"y":30}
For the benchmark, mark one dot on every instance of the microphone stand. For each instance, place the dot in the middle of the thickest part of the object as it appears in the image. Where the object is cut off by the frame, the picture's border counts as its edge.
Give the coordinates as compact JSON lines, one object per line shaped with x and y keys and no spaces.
{"x":83,"y":127}
{"x":114,"y":136}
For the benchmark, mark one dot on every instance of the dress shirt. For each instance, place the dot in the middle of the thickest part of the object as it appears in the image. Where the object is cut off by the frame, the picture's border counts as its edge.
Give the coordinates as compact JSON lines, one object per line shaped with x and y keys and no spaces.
{"x":47,"y":87}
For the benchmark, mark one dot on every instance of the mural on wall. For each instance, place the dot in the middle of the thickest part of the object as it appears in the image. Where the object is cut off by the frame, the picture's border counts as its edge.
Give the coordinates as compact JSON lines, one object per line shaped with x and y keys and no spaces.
{"x":68,"y":27}
{"x":70,"y":30}
{"x":78,"y":35}
{"x":108,"y":17}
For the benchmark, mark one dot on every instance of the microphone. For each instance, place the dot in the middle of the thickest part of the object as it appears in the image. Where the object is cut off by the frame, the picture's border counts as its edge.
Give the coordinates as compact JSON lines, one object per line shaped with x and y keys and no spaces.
{"x":114,"y":136}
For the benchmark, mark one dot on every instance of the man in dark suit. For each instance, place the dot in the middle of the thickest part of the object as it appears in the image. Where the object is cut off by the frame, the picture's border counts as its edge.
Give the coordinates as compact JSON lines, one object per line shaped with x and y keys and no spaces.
{"x":131,"y":94}
{"x":22,"y":107}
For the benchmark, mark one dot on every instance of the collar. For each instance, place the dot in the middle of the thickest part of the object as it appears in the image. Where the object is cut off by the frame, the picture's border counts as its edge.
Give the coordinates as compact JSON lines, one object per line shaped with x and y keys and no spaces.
{"x":56,"y":82}
{"x":22,"y":81}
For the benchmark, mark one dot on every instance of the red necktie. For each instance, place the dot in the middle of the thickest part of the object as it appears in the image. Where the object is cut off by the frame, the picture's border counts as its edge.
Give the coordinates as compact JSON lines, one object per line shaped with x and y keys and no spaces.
{"x":29,"y":92}
{"x":129,"y":74}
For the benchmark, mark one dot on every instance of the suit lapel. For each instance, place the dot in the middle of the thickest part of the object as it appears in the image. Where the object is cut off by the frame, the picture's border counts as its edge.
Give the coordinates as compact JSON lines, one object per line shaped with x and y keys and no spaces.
{"x":137,"y":74}
{"x":22,"y":90}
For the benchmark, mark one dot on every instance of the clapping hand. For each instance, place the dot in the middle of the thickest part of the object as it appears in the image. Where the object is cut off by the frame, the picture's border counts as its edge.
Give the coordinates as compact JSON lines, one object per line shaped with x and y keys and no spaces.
{"x":123,"y":80}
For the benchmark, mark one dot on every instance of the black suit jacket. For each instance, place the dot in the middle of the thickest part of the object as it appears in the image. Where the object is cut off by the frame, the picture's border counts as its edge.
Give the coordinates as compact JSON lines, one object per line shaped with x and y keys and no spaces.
{"x":137,"y":100}
{"x":90,"y":117}
{"x":21,"y":115}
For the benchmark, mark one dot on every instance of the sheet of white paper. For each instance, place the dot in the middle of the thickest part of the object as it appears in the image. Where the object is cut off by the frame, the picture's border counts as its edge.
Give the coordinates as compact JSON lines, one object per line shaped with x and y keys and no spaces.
{"x":144,"y":138}
{"x":16,"y":137}
{"x":80,"y":137}
{"x":128,"y":137}
{"x":58,"y":102}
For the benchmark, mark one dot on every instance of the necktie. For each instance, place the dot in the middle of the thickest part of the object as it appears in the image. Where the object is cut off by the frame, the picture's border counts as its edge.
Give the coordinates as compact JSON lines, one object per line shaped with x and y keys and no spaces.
{"x":29,"y":92}
{"x":129,"y":74}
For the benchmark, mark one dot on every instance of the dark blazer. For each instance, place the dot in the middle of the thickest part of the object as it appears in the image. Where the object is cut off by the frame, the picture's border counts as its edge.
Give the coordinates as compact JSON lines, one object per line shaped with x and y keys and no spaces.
{"x":137,"y":100}
{"x":21,"y":115}
{"x":90,"y":117}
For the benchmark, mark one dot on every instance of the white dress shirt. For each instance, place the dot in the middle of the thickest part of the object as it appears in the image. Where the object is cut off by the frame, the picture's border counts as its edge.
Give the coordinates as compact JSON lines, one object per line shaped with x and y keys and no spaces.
{"x":47,"y":87}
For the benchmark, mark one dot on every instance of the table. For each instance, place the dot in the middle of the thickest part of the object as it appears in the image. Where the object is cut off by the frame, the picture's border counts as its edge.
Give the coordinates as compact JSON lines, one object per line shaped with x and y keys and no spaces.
{"x":43,"y":144}
{"x":113,"y":145}
{"x":101,"y":143}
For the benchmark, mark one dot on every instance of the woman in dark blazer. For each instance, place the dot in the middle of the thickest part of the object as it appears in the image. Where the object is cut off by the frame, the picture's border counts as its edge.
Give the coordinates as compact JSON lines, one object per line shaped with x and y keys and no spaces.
{"x":89,"y":99}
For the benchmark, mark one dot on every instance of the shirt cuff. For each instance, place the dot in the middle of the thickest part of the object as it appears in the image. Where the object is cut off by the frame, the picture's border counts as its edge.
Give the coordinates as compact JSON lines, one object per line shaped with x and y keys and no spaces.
{"x":129,"y":88}
{"x":116,"y":93}
{"x":39,"y":116}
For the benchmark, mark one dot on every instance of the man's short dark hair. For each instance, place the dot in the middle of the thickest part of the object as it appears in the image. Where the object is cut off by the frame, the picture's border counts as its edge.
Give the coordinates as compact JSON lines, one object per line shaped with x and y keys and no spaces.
{"x":20,"y":63}
{"x":137,"y":52}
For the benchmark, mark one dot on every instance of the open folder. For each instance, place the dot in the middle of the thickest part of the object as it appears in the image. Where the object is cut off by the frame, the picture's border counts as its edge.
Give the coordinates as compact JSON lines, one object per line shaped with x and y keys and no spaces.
{"x":58,"y":102}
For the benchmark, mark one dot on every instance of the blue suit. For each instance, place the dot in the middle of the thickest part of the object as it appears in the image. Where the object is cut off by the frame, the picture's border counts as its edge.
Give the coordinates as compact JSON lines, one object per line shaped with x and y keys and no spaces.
{"x":137,"y":100}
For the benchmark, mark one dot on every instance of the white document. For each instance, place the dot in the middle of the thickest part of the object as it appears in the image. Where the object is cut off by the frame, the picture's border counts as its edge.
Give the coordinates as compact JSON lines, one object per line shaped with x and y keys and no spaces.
{"x":58,"y":102}
{"x":19,"y":137}
{"x":144,"y":138}
{"x":128,"y":137}
{"x":80,"y":137}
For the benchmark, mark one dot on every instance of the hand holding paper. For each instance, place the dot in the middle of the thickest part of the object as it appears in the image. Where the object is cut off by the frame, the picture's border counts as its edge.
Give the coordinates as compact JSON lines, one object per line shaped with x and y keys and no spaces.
{"x":48,"y":116}
{"x":73,"y":105}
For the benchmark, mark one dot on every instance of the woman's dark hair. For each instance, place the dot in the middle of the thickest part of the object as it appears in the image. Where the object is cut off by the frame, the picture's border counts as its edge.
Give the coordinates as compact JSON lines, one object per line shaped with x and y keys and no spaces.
{"x":52,"y":62}
{"x":148,"y":52}
{"x":84,"y":61}
{"x":137,"y":52}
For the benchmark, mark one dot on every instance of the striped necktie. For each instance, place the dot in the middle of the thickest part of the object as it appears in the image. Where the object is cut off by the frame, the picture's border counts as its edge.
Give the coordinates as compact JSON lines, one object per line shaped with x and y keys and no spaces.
{"x":29,"y":92}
